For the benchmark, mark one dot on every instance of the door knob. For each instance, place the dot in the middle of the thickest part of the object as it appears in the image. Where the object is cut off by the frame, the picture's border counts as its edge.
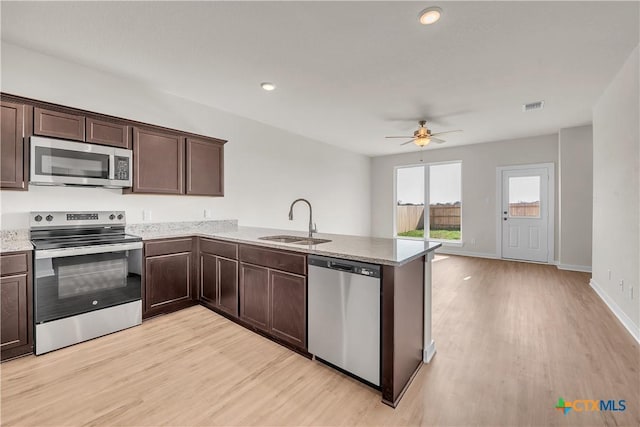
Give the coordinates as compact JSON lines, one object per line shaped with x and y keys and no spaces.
{"x":505,"y":219}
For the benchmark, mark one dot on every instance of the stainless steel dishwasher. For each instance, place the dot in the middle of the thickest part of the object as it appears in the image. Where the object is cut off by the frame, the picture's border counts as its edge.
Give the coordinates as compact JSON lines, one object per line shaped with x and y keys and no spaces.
{"x":344,"y":315}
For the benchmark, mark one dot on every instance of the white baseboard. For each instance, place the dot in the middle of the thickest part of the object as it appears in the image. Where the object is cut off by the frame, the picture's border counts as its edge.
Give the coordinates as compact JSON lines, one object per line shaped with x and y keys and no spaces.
{"x":429,"y":352}
{"x":626,"y":321}
{"x":582,"y":268}
{"x":452,"y":251}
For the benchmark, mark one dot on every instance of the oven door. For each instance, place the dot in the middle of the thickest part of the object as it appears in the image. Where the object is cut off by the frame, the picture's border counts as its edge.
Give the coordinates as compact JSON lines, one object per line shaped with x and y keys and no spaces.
{"x":73,"y":281}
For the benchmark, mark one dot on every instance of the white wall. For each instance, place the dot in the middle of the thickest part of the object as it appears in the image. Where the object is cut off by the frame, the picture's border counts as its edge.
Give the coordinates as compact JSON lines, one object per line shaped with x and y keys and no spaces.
{"x":575,"y":185}
{"x":479,"y":164}
{"x":265,"y":168}
{"x":616,"y":197}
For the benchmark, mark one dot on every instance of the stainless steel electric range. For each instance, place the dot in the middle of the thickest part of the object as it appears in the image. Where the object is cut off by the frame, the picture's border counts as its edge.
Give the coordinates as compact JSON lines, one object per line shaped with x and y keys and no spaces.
{"x":87,"y":277}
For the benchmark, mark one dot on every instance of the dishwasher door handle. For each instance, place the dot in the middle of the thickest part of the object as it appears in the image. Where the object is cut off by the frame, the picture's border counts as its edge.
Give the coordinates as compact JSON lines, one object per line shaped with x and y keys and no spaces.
{"x":341,"y":267}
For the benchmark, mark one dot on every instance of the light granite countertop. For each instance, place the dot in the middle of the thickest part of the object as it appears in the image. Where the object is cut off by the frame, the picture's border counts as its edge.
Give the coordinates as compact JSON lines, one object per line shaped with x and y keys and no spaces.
{"x":15,"y":241}
{"x":367,"y":249}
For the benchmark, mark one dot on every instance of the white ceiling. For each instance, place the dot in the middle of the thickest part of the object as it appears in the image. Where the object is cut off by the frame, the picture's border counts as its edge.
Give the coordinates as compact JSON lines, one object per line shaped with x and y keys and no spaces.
{"x":349,"y":73}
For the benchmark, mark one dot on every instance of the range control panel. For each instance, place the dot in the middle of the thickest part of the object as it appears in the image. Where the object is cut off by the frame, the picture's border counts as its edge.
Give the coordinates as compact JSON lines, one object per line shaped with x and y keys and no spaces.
{"x":61,"y":219}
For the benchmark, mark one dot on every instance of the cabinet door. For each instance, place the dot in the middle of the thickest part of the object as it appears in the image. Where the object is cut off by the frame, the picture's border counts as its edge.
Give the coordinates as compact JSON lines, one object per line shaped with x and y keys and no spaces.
{"x":208,"y":279}
{"x":288,"y":293}
{"x":12,"y":151}
{"x":228,"y":285}
{"x":158,"y":162}
{"x":108,"y":133}
{"x":254,"y":295}
{"x":14,"y":328}
{"x":205,"y":170}
{"x":58,"y":124}
{"x":168,"y":280}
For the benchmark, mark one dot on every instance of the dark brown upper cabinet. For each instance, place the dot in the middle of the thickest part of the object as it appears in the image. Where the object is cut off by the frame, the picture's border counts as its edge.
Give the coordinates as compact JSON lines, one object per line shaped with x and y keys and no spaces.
{"x":158,"y":159}
{"x":108,"y":133}
{"x":58,"y":124}
{"x":15,"y":120}
{"x":205,"y":167}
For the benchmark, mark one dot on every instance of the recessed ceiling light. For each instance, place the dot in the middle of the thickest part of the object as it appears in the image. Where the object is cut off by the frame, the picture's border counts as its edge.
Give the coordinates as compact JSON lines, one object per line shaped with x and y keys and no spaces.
{"x":268,"y":86}
{"x":430,"y":15}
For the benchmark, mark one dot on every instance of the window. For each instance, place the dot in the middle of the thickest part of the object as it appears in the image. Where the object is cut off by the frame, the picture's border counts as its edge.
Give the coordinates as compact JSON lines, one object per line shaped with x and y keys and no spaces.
{"x":524,"y":196}
{"x":440,"y":184}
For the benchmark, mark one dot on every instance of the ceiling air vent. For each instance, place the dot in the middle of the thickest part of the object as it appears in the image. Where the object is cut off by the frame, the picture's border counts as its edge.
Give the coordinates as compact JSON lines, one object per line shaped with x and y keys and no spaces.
{"x":532,"y":106}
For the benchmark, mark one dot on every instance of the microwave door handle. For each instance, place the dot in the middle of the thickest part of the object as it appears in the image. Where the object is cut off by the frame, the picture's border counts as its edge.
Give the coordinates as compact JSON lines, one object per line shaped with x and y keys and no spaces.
{"x":112,"y":166}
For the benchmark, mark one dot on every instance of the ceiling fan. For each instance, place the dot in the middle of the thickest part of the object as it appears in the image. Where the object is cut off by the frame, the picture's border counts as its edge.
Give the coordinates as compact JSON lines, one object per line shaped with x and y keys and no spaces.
{"x":423,"y":136}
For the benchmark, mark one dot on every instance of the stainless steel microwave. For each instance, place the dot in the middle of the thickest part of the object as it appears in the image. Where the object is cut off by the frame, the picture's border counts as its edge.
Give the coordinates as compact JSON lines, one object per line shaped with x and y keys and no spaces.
{"x":60,"y":162}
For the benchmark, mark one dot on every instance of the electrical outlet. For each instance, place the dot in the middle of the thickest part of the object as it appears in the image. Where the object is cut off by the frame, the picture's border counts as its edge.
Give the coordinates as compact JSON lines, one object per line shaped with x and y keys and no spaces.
{"x":621,"y":285}
{"x":630,"y":292}
{"x":473,"y":241}
{"x":207,"y":213}
{"x":146,"y":215}
{"x":609,"y":270}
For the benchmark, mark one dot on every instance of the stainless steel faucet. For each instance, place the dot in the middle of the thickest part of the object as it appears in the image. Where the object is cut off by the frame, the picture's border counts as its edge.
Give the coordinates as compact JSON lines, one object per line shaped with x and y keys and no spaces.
{"x":312,"y":226}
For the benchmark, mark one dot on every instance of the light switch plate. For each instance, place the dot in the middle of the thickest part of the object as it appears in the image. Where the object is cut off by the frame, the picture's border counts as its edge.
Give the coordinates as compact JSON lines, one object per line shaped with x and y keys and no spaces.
{"x":146,"y":215}
{"x":207,"y":213}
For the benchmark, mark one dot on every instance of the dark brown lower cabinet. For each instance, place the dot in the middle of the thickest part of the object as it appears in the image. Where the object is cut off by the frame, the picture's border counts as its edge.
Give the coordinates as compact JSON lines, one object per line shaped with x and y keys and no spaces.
{"x":169,"y":276}
{"x":219,"y":283}
{"x":16,"y":317}
{"x":274,"y":302}
{"x":288,"y":293}
{"x":254,"y":295}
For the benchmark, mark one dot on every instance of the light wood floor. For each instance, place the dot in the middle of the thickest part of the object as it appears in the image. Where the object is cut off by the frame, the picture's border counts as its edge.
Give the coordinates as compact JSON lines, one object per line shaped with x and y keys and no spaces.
{"x":511,"y":339}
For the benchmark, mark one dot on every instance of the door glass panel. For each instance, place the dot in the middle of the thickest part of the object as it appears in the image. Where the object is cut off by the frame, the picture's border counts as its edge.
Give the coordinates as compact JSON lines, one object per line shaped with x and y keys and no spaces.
{"x":524,"y":196}
{"x":445,"y":196}
{"x":410,"y":202}
{"x":73,"y":285}
{"x":59,"y":162}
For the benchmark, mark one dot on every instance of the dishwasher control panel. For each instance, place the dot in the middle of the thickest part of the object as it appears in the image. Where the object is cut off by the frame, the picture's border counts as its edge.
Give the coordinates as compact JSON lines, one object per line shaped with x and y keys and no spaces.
{"x":348,"y":266}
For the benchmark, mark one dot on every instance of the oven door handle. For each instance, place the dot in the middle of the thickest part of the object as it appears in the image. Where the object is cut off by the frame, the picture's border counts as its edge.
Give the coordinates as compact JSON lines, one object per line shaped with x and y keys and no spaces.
{"x":86,"y":250}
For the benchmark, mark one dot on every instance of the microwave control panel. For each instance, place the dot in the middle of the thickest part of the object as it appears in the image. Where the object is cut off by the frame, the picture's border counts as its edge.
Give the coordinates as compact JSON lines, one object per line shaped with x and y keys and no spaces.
{"x":121,"y":168}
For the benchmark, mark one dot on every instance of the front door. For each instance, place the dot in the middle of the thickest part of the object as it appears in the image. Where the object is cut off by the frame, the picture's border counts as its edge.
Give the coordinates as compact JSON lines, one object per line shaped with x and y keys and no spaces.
{"x":525,"y":214}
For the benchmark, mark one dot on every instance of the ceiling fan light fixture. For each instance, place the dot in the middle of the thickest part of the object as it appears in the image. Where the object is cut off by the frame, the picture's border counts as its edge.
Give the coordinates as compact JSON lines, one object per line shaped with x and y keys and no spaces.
{"x":430,"y":15}
{"x":422,"y":142}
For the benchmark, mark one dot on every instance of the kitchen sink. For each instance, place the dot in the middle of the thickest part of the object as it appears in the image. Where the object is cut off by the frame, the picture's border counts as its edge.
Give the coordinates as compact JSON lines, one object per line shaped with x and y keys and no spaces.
{"x":298,"y":240}
{"x":282,"y":239}
{"x":310,"y":241}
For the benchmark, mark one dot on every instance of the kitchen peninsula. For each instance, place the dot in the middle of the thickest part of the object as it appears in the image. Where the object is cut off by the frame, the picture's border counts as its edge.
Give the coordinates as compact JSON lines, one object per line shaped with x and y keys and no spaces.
{"x":240,"y":256}
{"x":263,"y":284}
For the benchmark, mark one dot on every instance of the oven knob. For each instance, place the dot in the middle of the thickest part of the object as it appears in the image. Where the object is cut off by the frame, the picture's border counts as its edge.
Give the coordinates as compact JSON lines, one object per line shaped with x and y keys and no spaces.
{"x":120,"y":216}
{"x":94,"y":302}
{"x":38,"y":218}
{"x":112,"y":216}
{"x":49,"y":218}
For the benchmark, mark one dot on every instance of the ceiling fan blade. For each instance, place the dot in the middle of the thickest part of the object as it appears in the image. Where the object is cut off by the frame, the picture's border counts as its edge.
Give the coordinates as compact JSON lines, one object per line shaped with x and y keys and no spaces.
{"x":398,"y":137}
{"x":405,"y":143}
{"x":442,"y":133}
{"x":437,"y":140}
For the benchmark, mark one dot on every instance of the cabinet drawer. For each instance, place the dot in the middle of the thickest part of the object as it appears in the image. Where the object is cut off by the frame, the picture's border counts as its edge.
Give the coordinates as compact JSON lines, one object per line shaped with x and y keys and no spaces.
{"x":14,"y":263}
{"x":285,"y":261}
{"x":216,"y":247}
{"x":108,"y":133}
{"x":165,"y":247}
{"x":58,"y":124}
